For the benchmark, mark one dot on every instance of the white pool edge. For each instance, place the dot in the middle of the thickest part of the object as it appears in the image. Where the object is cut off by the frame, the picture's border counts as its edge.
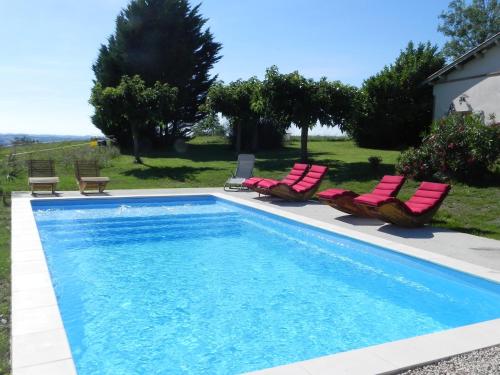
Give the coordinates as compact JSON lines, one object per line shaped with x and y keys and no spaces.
{"x":40,"y":346}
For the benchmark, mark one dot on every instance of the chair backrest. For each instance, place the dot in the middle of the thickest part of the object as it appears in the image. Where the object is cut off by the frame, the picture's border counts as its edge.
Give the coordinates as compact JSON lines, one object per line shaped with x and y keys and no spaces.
{"x":41,"y":168}
{"x":245,"y":165}
{"x":312,"y":178}
{"x":85,"y":168}
{"x":429,"y":194}
{"x":295,"y":174}
{"x":389,"y":186}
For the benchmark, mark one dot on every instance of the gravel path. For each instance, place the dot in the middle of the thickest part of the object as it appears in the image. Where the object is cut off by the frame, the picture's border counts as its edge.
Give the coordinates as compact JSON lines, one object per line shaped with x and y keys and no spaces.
{"x":480,"y":362}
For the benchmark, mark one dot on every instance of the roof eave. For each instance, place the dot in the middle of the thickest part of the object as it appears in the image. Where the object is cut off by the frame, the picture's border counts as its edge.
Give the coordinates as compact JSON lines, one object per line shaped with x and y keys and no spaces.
{"x":465,"y":58}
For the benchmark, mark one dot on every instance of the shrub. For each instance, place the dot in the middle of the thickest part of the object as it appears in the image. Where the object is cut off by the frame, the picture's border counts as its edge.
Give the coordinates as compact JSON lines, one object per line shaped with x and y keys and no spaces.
{"x":374,"y":161}
{"x":457,"y":147}
{"x":395,"y":107}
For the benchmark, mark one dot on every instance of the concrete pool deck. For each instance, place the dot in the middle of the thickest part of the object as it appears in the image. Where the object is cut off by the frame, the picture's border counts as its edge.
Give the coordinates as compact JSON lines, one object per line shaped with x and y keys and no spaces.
{"x":39,"y":343}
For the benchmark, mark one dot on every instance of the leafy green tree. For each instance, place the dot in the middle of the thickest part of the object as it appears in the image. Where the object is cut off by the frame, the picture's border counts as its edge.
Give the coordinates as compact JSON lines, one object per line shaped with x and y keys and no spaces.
{"x":164,"y":41}
{"x":210,"y":125}
{"x":241,"y":103}
{"x":305,"y":102}
{"x":468,"y":25}
{"x":132,"y":105}
{"x":396,"y":107}
{"x":292,"y":98}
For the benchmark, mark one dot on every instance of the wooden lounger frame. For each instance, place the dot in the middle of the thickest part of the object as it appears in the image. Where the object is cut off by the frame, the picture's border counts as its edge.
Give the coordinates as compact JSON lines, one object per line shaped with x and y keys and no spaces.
{"x":285,"y":192}
{"x":88,"y":176}
{"x":396,"y":213}
{"x":42,"y":175}
{"x":346,"y":204}
{"x":267,"y":191}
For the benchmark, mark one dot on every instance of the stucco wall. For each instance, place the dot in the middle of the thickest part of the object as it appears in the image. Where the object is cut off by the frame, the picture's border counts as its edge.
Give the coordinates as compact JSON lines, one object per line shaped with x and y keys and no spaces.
{"x":480,"y":94}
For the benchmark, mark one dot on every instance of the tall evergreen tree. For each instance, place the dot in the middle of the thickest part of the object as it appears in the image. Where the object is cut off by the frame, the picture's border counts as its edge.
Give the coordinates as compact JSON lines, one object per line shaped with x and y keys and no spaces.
{"x":165,"y":41}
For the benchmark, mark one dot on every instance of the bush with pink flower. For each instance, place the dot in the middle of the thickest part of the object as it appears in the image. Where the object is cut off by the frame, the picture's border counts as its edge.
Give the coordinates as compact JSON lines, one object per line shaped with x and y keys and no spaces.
{"x":459,"y":147}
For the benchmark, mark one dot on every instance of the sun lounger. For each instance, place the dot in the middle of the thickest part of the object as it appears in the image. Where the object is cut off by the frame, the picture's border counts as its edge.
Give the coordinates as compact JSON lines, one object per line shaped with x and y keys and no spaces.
{"x":263,"y":185}
{"x":343,"y":200}
{"x":243,"y":171}
{"x":88,"y":176}
{"x":416,"y":211}
{"x":302,"y":190}
{"x":42,"y":175}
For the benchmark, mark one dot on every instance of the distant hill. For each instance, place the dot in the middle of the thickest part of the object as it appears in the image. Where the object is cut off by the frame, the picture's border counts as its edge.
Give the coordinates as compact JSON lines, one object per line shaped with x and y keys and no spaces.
{"x":7,"y":139}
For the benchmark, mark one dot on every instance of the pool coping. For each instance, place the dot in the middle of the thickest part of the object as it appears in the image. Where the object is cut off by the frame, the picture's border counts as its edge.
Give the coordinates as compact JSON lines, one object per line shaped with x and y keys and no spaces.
{"x":40,"y":346}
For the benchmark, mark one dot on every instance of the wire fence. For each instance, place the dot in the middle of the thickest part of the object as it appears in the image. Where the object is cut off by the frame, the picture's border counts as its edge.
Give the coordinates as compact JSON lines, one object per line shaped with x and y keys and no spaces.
{"x":13,"y":163}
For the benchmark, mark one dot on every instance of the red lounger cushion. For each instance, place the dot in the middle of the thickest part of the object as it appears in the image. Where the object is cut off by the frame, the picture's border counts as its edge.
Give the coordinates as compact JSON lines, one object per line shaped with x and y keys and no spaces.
{"x":295,"y":174}
{"x":335,"y":193}
{"x":311,"y":179}
{"x":427,"y":196}
{"x":389,"y":186}
{"x":373,"y":199}
{"x":267,"y":183}
{"x":252,"y":181}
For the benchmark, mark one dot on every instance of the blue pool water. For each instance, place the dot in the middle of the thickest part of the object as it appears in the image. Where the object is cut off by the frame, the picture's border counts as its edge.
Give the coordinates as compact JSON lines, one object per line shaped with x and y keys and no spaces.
{"x":200,"y":285}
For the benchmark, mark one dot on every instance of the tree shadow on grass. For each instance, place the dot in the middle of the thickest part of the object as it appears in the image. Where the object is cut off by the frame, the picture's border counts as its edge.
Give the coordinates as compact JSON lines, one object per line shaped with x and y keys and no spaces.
{"x":282,"y":161}
{"x":180,"y":174}
{"x":341,"y":171}
{"x":196,"y":152}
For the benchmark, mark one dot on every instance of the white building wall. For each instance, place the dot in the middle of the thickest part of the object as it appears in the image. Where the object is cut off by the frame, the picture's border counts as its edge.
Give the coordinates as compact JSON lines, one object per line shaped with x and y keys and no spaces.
{"x":467,"y":92}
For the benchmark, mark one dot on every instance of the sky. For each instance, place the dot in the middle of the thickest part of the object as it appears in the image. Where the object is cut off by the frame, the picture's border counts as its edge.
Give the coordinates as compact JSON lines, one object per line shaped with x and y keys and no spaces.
{"x":48,"y":48}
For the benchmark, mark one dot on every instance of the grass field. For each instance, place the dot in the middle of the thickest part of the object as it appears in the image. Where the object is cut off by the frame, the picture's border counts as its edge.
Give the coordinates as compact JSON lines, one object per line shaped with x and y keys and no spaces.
{"x":207,"y":162}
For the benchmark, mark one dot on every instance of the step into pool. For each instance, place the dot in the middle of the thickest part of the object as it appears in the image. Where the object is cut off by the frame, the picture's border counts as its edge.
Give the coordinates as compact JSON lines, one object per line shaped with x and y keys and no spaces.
{"x":201,"y":285}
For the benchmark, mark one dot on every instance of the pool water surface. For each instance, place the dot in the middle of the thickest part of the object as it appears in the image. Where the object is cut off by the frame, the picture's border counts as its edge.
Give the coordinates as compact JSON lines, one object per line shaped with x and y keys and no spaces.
{"x":201,"y":285}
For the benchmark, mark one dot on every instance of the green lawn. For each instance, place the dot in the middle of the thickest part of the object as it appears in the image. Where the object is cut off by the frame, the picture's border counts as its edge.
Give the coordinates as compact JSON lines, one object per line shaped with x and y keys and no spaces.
{"x":208,"y":162}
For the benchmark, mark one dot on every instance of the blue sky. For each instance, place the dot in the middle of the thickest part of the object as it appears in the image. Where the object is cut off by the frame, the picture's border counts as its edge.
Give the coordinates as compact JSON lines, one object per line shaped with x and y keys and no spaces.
{"x":48,"y":48}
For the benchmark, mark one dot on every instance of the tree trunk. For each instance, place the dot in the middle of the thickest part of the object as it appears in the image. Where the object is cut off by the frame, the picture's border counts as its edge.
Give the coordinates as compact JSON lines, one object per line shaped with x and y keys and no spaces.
{"x":303,"y":143}
{"x":238,"y":137}
{"x":255,"y":139}
{"x":174,"y":132}
{"x":135,"y":139}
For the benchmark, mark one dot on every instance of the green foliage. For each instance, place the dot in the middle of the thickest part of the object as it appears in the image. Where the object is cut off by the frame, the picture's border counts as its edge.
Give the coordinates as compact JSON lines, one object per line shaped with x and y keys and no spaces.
{"x":396,"y":107}
{"x":468,"y":25}
{"x":458,"y":147}
{"x":242,"y":103}
{"x":293,"y":99}
{"x":209,"y":126}
{"x":374,"y":161}
{"x":133,"y":105}
{"x":162,"y":41}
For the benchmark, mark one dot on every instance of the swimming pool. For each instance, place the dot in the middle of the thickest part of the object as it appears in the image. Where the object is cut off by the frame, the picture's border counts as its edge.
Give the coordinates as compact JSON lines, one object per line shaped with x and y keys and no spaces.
{"x":202,"y":285}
